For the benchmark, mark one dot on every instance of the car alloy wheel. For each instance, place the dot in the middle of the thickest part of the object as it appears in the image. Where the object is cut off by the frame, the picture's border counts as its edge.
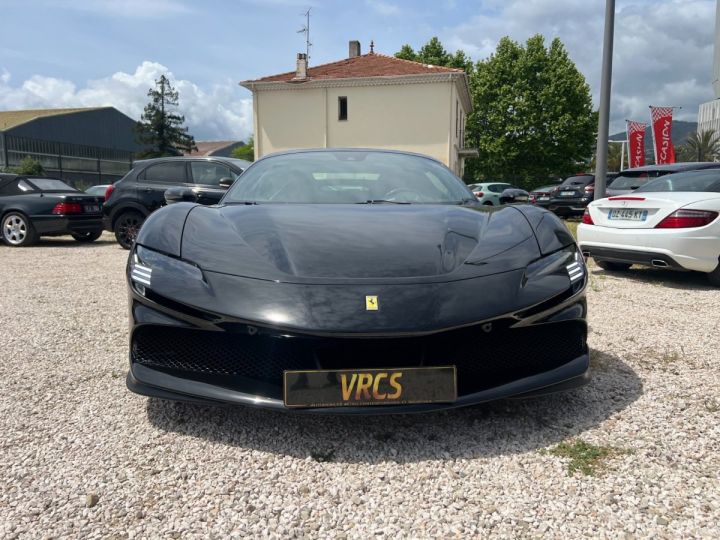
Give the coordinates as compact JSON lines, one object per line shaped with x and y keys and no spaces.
{"x":16,"y":230}
{"x":127,"y":228}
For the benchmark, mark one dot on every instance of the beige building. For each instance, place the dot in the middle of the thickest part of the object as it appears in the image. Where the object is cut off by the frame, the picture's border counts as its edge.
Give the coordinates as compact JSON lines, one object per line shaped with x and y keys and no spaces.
{"x":368,"y":101}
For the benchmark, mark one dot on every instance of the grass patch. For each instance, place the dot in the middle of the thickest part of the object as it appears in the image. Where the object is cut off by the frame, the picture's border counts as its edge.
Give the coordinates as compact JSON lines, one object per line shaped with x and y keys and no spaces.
{"x":584,"y":457}
{"x":572,"y":227}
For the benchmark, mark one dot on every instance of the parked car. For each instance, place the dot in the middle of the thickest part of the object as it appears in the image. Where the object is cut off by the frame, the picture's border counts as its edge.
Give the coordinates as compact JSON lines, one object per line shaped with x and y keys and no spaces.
{"x":541,"y":195}
{"x":670,"y":222}
{"x":514,"y":196}
{"x":32,"y":207}
{"x":488,"y":193}
{"x":142,"y":191}
{"x":338,"y":281}
{"x":631,"y":179}
{"x":575,"y":192}
{"x":98,"y":190}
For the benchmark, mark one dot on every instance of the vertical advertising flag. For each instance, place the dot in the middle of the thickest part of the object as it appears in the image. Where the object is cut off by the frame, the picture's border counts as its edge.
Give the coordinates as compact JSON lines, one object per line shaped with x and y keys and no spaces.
{"x":636,"y":143}
{"x":662,"y":134}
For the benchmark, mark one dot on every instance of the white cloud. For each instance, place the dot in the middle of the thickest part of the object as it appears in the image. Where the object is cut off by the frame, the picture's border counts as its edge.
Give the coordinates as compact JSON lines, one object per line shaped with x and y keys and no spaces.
{"x":219,"y":113}
{"x":662,"y":54}
{"x":383,"y":8}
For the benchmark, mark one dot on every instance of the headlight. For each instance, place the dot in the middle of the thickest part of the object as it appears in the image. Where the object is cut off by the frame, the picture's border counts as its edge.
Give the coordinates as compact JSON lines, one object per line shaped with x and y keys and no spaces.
{"x":568,"y":261}
{"x":147,"y":266}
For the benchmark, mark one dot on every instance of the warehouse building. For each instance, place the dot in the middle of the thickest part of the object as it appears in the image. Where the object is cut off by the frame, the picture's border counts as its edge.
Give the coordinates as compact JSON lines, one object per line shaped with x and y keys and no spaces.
{"x":83,"y":146}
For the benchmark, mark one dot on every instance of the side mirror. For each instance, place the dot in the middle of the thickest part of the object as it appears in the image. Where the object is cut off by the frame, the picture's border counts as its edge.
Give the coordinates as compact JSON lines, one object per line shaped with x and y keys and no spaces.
{"x":226,"y":182}
{"x":180,"y":194}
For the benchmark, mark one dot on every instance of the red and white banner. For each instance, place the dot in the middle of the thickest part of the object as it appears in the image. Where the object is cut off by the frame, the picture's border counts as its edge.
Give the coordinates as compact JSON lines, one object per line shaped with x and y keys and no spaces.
{"x":636,"y":143}
{"x":662,"y":134}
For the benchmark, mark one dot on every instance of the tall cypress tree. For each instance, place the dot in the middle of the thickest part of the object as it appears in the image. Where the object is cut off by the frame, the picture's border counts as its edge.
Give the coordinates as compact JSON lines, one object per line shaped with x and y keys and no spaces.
{"x":160,"y":130}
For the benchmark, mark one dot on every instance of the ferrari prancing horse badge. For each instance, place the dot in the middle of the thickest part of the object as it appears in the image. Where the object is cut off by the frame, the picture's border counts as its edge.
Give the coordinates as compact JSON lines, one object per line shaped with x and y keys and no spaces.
{"x":371,"y":303}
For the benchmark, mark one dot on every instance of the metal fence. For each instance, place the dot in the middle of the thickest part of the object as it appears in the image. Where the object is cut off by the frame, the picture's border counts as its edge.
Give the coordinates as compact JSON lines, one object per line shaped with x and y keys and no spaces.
{"x":77,"y":164}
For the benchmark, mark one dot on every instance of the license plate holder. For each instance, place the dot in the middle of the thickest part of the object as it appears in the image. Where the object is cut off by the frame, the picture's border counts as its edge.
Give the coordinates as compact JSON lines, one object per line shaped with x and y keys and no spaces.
{"x":627,"y":214}
{"x":369,"y":387}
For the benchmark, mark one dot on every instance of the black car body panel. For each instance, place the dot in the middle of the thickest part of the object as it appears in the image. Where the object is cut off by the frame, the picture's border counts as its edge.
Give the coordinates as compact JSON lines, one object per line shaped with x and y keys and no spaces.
{"x":246,"y":291}
{"x":38,"y":204}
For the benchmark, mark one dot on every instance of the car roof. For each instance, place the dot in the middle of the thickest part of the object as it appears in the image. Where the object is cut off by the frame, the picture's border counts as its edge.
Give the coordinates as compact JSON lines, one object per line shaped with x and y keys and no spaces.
{"x":242,"y":163}
{"x":675,"y":167}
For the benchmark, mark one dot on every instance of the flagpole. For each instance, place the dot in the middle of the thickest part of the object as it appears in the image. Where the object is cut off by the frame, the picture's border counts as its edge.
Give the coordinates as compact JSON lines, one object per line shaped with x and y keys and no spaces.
{"x":604,"y":110}
{"x":652,"y":129}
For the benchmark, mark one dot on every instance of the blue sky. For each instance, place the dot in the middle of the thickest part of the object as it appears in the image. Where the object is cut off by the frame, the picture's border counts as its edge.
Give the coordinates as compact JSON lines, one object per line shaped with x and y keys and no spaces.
{"x":93,"y":52}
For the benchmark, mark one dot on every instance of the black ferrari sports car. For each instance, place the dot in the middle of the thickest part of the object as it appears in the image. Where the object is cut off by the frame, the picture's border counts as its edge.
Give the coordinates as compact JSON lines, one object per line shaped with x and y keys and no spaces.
{"x":33,"y":207}
{"x":354,"y":281}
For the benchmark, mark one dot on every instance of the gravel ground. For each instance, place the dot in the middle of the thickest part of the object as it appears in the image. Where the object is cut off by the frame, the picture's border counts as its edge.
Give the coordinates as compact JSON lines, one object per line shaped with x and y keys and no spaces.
{"x":83,"y":457}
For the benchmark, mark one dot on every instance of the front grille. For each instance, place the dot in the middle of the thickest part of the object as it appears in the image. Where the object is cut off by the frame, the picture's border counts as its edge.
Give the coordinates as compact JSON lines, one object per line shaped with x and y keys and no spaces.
{"x":483,"y":359}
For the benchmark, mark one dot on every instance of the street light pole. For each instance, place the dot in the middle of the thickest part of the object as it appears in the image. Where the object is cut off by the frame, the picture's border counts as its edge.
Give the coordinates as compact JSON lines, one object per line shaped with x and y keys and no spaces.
{"x":604,"y":112}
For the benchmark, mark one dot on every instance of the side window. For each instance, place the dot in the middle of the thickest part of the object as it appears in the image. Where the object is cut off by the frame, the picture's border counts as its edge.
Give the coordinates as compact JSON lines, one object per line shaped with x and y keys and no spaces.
{"x":170,"y":172}
{"x":24,"y":187}
{"x":209,"y":173}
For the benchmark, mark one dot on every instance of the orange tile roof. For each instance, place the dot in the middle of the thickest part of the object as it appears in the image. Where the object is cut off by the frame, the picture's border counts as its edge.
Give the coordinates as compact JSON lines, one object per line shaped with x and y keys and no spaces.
{"x":366,"y":65}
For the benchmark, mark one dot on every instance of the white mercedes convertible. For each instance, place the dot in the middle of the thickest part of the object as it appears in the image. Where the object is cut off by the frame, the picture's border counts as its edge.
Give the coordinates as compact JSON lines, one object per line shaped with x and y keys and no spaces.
{"x":671,"y":222}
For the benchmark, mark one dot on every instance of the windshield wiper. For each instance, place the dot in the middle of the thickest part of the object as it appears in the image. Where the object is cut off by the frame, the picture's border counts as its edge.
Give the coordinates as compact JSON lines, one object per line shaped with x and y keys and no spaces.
{"x":382,"y":201}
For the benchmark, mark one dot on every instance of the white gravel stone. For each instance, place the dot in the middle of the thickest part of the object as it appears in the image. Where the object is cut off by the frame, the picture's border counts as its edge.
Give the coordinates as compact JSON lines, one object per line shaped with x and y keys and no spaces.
{"x":71,"y":431}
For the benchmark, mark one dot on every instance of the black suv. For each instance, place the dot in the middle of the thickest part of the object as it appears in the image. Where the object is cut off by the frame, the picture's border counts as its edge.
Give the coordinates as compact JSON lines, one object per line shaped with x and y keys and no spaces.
{"x":574,"y":193}
{"x":141,"y":191}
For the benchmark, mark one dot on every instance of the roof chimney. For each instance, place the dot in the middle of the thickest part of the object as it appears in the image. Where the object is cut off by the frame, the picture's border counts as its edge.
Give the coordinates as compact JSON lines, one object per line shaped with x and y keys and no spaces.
{"x":301,"y":70}
{"x":354,"y":48}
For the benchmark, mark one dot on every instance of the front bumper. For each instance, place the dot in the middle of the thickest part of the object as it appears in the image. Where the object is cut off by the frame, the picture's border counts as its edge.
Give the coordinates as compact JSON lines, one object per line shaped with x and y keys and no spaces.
{"x":58,"y":225}
{"x":188,"y":355}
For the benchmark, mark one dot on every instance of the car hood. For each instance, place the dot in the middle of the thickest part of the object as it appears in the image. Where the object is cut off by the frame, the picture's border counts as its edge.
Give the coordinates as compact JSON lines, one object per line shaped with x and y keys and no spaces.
{"x":332,"y":243}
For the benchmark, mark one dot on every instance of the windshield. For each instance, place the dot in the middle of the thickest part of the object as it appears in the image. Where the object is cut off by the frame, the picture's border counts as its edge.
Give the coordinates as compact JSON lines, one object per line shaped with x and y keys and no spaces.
{"x":50,"y":184}
{"x":579,"y":180}
{"x":345,"y":177}
{"x":630,"y":181}
{"x":708,"y":180}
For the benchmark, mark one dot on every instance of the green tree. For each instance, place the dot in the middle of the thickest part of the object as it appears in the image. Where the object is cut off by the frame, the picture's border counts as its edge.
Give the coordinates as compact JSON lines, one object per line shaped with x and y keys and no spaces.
{"x":30,"y":167}
{"x":532,"y":113}
{"x":613,"y":161}
{"x":700,"y":146}
{"x":160,"y":130}
{"x":246,"y":151}
{"x":406,"y":52}
{"x":435,"y":54}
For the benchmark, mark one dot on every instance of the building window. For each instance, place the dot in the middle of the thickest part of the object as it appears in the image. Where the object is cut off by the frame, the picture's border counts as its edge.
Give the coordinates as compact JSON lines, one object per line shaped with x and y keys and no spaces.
{"x":457,"y":119}
{"x":342,"y":108}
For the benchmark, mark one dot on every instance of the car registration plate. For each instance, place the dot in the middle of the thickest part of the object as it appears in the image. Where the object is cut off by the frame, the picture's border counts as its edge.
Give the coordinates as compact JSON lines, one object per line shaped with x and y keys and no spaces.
{"x":543,"y":198}
{"x":364,"y":387}
{"x":567,"y":193}
{"x":92,"y":208}
{"x":627,"y":214}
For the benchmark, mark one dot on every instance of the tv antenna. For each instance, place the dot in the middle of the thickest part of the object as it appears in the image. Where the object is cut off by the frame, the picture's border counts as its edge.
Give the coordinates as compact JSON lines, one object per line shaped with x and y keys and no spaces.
{"x":306,"y":30}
